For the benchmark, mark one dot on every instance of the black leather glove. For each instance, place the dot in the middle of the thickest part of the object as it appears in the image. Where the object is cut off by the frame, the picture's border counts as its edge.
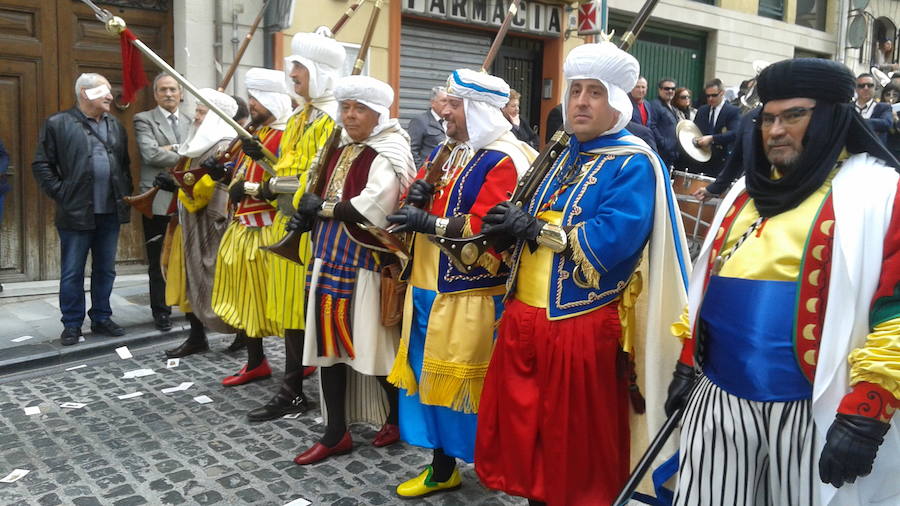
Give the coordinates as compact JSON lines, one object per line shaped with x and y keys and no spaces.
{"x":164,"y":182}
{"x":253,"y":148}
{"x":215,"y":169}
{"x":505,"y":218}
{"x":420,"y":193}
{"x":680,"y":388}
{"x":850,"y":447}
{"x":301,"y":223}
{"x":310,"y":204}
{"x":265,"y":193}
{"x":236,"y":192}
{"x":414,"y":219}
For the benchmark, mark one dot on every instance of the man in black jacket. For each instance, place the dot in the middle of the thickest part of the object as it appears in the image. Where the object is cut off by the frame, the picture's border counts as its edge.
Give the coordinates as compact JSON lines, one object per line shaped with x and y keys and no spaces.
{"x":82,"y":163}
{"x":665,"y":120}
{"x":718,"y":121}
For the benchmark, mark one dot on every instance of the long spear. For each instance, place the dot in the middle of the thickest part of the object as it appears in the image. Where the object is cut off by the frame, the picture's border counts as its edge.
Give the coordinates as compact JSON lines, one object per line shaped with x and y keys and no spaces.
{"x":115,"y":24}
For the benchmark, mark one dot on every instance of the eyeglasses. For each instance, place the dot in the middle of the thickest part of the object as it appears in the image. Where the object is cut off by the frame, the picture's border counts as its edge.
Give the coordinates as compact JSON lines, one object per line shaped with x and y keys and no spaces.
{"x":684,"y":97}
{"x":865,"y":85}
{"x":789,"y":117}
{"x":667,"y":88}
{"x":713,"y":95}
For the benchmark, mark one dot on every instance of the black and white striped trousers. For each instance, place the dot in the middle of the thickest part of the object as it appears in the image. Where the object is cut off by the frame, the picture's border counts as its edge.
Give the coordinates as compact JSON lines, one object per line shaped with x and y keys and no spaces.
{"x":740,"y":452}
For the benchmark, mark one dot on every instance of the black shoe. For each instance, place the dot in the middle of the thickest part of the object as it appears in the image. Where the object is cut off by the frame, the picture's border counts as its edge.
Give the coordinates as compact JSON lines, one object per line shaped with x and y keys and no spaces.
{"x":188,"y":347}
{"x":239,"y":343}
{"x":107,"y":328}
{"x":70,"y":336}
{"x":280,"y":405}
{"x":163,"y":322}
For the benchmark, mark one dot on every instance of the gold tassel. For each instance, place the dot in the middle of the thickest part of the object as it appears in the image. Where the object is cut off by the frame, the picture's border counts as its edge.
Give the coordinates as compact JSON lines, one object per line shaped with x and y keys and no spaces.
{"x":578,"y":256}
{"x":402,"y":375}
{"x":454,"y":386}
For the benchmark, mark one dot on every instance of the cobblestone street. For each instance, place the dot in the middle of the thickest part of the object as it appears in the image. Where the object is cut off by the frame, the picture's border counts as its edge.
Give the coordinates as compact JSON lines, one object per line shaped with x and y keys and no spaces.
{"x":160,"y":448}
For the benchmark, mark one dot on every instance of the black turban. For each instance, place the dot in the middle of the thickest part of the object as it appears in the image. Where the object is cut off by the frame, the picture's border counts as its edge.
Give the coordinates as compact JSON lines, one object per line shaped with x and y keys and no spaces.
{"x":834,"y":126}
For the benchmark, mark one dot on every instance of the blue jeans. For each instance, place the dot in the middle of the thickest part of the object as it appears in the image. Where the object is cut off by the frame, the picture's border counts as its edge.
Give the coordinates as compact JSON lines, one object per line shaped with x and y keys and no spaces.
{"x":74,"y":247}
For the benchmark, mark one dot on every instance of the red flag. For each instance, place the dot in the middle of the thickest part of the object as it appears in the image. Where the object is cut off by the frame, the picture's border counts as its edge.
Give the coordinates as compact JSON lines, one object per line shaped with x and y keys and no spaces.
{"x":133,"y":77}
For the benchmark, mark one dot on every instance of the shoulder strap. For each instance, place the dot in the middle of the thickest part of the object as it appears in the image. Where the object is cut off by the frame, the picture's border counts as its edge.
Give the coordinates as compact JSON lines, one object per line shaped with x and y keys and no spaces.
{"x":90,"y":129}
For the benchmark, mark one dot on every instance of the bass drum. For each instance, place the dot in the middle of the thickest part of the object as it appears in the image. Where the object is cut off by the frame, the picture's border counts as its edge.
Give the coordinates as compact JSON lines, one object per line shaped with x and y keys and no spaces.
{"x":696,"y":216}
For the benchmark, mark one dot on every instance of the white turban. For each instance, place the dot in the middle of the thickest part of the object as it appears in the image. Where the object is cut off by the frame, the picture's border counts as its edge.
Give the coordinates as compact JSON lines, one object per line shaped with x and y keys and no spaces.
{"x":268,"y":87}
{"x":483,"y":95}
{"x":371,"y":92}
{"x":213,"y":129}
{"x":616,"y":70}
{"x":322,"y":56}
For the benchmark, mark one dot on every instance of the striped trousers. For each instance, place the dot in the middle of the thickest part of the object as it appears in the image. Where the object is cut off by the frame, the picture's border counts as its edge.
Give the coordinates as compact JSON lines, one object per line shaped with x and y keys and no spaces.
{"x":735,"y":451}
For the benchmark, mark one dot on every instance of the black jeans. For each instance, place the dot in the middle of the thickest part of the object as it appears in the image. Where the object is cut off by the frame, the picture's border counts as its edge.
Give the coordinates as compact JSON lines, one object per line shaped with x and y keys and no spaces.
{"x":154,"y":232}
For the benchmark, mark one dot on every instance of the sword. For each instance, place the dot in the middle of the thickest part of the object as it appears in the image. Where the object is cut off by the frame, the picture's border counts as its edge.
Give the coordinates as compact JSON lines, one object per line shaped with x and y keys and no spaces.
{"x":647,"y":459}
{"x":116,"y":25}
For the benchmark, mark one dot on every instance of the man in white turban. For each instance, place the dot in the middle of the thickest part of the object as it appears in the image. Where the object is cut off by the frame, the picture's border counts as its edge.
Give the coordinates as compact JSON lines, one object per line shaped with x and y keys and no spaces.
{"x":203,"y":216}
{"x":554,"y":420}
{"x":312,"y":68}
{"x":449,"y":318}
{"x":364,"y":180}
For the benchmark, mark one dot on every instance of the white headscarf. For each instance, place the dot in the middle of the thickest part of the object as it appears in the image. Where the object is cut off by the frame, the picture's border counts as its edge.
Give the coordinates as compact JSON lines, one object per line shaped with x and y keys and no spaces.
{"x":268,"y":87}
{"x":371,"y":92}
{"x":213,"y":129}
{"x":324,"y":58}
{"x":483,"y":95}
{"x":387,"y":138}
{"x":616,"y":70}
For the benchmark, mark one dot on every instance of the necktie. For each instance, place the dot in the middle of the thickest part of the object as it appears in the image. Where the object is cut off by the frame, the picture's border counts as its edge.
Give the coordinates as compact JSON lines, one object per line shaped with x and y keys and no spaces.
{"x":712,"y":117}
{"x":173,"y":120}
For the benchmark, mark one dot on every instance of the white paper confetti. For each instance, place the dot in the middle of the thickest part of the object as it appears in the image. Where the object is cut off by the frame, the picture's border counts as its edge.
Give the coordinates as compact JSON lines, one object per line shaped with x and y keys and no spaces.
{"x":138,"y":373}
{"x":124,"y":353}
{"x":173,"y":363}
{"x":202,"y":399}
{"x":183,"y":386}
{"x":72,"y":405}
{"x":76,"y":367}
{"x":20,"y":339}
{"x":132,"y":395}
{"x":298,"y":502}
{"x":318,"y":419}
{"x":292,"y":416}
{"x":32,"y":410}
{"x":15,"y":475}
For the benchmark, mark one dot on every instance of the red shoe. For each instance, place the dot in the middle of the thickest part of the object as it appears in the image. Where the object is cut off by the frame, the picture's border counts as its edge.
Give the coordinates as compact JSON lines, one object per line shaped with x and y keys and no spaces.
{"x":309,"y":371}
{"x":320,"y":452}
{"x":262,"y":371}
{"x":388,"y":435}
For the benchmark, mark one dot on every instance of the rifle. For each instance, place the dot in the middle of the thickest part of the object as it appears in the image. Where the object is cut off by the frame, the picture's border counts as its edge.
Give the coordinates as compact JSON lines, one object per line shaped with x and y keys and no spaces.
{"x":289,"y":245}
{"x":143,"y":202}
{"x":465,"y":252}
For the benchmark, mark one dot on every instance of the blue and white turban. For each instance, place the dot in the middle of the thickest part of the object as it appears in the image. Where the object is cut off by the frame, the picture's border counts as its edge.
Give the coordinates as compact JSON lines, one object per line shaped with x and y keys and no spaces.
{"x":483,"y":95}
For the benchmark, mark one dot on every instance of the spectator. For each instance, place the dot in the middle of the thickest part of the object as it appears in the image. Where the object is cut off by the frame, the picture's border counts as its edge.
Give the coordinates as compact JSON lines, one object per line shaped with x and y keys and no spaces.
{"x":426,"y":130}
{"x":718,"y":121}
{"x":682,"y":103}
{"x":877,"y":114}
{"x":159,"y":133}
{"x":891,"y":95}
{"x":554,"y":122}
{"x":82,"y":163}
{"x":665,"y":118}
{"x":520,"y":126}
{"x":643,"y":133}
{"x":641,"y":112}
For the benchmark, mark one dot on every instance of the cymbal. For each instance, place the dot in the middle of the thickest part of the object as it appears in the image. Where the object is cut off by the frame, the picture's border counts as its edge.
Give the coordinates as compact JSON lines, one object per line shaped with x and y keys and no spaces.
{"x":686,"y":131}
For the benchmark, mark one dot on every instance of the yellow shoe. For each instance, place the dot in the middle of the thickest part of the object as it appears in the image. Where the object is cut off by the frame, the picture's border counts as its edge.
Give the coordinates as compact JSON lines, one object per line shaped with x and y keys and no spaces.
{"x":422,"y":485}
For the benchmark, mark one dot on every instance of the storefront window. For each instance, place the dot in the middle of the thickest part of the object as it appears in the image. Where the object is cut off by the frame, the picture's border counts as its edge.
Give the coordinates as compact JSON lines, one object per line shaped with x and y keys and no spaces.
{"x":811,"y":13}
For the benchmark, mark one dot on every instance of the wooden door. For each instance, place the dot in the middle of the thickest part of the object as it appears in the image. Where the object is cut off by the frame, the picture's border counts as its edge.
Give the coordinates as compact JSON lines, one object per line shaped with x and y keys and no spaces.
{"x":44,"y":46}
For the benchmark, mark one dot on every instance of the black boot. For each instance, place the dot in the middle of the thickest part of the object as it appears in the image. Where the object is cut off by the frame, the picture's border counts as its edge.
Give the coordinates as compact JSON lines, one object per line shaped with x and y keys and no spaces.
{"x":290,"y":398}
{"x":239,"y":343}
{"x":195,"y":343}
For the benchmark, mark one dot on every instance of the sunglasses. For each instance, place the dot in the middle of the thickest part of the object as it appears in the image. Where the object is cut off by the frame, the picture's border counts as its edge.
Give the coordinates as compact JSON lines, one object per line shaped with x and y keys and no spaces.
{"x":865,"y":85}
{"x":684,"y":97}
{"x":713,"y":95}
{"x":668,"y":88}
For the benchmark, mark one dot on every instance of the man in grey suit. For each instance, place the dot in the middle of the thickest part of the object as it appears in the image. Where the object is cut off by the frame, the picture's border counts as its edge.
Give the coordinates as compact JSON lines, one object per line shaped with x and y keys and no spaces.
{"x":426,"y":130}
{"x":159,"y":131}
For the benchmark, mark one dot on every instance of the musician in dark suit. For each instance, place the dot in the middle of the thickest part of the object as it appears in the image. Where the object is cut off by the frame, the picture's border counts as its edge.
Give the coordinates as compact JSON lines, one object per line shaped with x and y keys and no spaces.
{"x":718,"y":121}
{"x":426,"y":130}
{"x":878,"y":115}
{"x":159,"y":131}
{"x":665,"y":119}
